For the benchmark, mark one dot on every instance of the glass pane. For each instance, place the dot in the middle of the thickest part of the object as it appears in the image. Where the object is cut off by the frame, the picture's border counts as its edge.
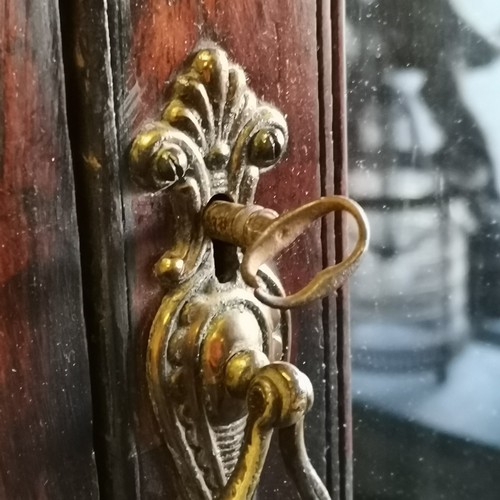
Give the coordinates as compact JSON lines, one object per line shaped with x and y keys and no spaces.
{"x":424,"y":139}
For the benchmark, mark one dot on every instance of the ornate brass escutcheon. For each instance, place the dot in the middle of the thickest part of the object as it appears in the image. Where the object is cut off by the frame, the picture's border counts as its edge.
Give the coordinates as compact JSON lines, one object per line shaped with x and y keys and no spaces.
{"x":218,"y":371}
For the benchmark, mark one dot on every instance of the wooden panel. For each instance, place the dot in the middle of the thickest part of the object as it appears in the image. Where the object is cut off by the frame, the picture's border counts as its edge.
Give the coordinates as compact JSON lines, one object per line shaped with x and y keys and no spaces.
{"x":136,"y":47}
{"x":336,"y":314}
{"x":45,"y":408}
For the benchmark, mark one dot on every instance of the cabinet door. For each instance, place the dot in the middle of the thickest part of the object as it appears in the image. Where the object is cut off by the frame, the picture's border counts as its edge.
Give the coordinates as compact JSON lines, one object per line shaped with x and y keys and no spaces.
{"x":120,"y":55}
{"x":45,"y":406}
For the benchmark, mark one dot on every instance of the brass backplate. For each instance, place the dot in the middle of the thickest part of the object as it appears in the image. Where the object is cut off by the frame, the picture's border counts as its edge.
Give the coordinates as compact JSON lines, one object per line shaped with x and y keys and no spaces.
{"x":213,"y":140}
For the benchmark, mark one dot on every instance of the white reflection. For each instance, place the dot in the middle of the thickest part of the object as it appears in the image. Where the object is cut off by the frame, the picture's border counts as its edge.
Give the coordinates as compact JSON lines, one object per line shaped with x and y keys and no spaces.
{"x":482,"y":15}
{"x":413,"y":123}
{"x":480,"y":90}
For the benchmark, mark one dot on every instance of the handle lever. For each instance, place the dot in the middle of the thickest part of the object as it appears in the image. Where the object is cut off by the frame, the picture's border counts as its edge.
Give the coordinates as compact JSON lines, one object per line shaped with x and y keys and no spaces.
{"x":278,"y":396}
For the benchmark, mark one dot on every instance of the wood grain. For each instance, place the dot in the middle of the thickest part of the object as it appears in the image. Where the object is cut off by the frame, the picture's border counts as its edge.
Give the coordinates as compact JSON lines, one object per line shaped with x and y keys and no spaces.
{"x":129,"y":51}
{"x":45,"y":406}
{"x":334,"y":173}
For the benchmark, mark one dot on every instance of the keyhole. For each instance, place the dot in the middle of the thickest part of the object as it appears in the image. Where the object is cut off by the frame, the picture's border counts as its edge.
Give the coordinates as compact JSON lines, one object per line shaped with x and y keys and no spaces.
{"x":225,"y":254}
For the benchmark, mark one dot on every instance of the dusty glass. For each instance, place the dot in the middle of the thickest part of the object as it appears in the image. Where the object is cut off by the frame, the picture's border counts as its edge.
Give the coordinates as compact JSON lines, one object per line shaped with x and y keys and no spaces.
{"x":424,"y":149}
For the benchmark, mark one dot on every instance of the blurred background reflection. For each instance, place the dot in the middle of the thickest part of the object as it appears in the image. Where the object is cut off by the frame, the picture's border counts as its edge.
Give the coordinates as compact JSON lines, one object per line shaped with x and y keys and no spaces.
{"x":424,"y":139}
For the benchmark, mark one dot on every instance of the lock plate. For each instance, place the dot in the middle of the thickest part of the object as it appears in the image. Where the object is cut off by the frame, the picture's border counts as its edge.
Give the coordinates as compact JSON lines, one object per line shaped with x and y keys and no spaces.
{"x":214,"y":139}
{"x":196,"y":330}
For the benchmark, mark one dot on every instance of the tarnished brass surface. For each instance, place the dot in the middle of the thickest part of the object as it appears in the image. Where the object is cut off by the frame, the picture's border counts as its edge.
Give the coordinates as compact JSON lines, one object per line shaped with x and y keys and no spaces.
{"x":237,"y":224}
{"x":195,"y":332}
{"x":278,"y":396}
{"x":300,"y":469}
{"x":214,"y":137}
{"x":264,"y":234}
{"x":218,"y":348}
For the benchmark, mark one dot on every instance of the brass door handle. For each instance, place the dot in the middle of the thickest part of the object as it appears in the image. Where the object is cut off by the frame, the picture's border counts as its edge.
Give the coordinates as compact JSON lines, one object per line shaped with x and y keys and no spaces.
{"x":218,"y":365}
{"x":278,"y":396}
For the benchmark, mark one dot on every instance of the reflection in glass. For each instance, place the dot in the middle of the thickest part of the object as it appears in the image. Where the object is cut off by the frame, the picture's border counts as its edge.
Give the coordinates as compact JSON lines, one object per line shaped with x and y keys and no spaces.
{"x":424,"y":148}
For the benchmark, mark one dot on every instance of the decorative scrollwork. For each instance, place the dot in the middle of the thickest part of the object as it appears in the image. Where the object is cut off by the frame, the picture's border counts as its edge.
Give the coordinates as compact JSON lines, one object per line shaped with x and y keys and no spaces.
{"x":217,"y":362}
{"x":215,"y":137}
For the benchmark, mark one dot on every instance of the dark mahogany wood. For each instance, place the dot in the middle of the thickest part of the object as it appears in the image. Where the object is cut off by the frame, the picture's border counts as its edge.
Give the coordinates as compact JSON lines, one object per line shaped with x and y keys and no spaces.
{"x":46,"y":447}
{"x":336,"y":312}
{"x":120,"y":55}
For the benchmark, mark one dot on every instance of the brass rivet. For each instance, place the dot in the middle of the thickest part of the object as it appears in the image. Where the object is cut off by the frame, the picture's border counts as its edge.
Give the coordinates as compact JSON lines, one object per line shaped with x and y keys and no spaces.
{"x":169,"y":165}
{"x":266,"y":147}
